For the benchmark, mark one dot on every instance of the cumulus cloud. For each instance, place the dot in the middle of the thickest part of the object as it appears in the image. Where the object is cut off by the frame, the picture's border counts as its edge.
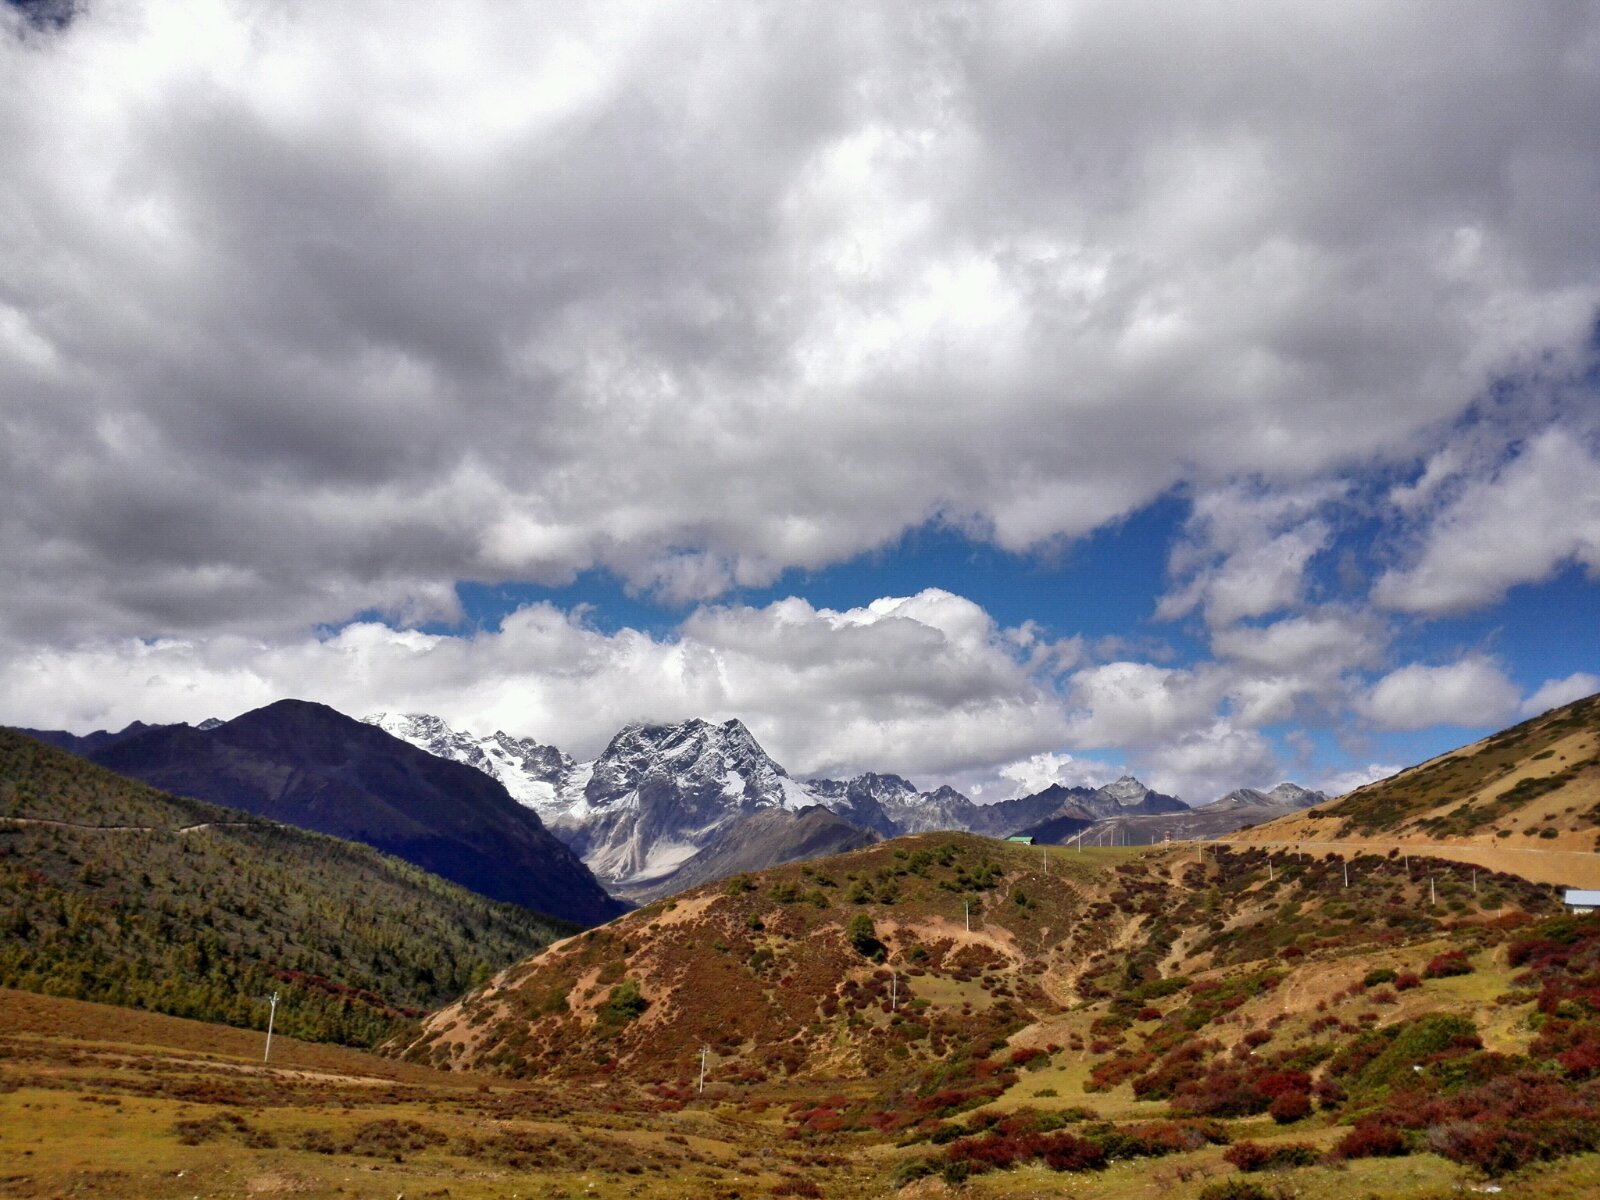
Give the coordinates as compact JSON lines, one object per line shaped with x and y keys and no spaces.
{"x":311,"y":311}
{"x":1321,"y":641}
{"x":1537,"y":513}
{"x":919,"y":684}
{"x":1307,"y":665}
{"x":1204,"y":764}
{"x":1040,"y":771}
{"x":1246,"y":551}
{"x":1130,"y":704}
{"x":1473,"y":693}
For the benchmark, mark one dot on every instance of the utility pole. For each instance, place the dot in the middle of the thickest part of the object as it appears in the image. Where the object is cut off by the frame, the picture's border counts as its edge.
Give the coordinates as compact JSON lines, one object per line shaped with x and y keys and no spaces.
{"x":1474,"y":882}
{"x":1346,"y":863}
{"x":894,"y":991}
{"x":1433,"y":896}
{"x":1269,"y":868}
{"x":968,"y":907}
{"x":704,"y":1051}
{"x":272,"y":1016}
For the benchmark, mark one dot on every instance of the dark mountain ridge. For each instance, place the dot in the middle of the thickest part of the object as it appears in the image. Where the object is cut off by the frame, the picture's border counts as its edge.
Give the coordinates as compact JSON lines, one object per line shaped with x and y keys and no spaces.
{"x":307,"y":765}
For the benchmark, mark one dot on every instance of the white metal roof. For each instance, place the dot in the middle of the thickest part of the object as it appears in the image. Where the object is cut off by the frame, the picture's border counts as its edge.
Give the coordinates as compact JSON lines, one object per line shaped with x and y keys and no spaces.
{"x":1583,"y":896}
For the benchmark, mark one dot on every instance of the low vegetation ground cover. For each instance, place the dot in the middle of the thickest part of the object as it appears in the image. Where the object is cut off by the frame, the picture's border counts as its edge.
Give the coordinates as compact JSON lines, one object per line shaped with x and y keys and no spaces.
{"x":1211,"y":1015}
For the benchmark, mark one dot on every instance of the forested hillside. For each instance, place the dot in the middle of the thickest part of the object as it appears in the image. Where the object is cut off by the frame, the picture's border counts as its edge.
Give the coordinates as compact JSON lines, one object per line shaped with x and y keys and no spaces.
{"x":111,"y":890}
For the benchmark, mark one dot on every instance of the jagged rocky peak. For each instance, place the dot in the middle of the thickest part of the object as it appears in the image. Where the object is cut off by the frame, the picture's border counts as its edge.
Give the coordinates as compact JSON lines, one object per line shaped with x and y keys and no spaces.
{"x":698,"y":756}
{"x":1126,"y":791}
{"x":1295,"y":796}
{"x":872,"y":786}
{"x":1285,"y":795}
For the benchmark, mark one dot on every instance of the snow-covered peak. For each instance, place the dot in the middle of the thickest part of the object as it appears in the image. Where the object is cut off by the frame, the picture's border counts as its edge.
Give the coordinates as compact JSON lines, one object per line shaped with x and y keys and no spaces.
{"x":697,"y":756}
{"x":534,"y":774}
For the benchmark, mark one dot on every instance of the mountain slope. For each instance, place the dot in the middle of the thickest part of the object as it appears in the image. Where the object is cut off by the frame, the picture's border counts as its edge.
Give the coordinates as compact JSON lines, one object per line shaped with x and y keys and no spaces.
{"x":111,"y":890}
{"x":305,"y":764}
{"x":928,"y":949}
{"x":1535,"y":785}
{"x":751,"y":842}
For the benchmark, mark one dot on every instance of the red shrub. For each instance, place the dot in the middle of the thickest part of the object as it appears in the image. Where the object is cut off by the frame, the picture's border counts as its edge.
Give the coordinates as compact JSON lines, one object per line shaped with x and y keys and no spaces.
{"x":1407,"y":980}
{"x":1281,"y":1083}
{"x":1253,"y":1156}
{"x":1492,"y":1147}
{"x":1290,"y":1107}
{"x":1371,"y":1138}
{"x":1451,"y":962}
{"x":1023,"y":1055}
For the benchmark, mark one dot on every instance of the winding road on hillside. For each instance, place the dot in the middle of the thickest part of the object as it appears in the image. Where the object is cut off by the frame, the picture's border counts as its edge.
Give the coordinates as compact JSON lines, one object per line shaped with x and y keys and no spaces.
{"x":49,"y":823}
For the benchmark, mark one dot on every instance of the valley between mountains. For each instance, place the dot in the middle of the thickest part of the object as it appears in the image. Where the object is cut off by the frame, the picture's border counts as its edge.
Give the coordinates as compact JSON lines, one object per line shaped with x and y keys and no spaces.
{"x":1314,"y":1006}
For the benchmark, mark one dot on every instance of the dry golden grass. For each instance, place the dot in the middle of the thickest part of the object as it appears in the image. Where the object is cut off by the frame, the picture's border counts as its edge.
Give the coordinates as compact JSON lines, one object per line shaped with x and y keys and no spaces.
{"x":96,"y":1101}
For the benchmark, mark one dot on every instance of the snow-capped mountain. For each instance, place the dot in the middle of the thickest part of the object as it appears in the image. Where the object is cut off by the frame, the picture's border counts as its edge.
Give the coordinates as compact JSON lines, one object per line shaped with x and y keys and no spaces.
{"x":534,"y":774}
{"x":659,"y":794}
{"x":891,"y":805}
{"x":655,"y":797}
{"x":664,"y":803}
{"x":1284,"y":797}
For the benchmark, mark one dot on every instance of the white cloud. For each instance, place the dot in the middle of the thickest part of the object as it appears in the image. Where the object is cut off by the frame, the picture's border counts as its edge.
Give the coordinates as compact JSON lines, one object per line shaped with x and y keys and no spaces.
{"x":312,"y":311}
{"x":1247,"y":551}
{"x":919,"y":685}
{"x":1340,"y":782}
{"x":1204,"y":764}
{"x":1553,"y":693}
{"x":1473,"y":693}
{"x":1537,"y":513}
{"x":1139,"y":704}
{"x":1315,"y":642}
{"x":1040,"y":771}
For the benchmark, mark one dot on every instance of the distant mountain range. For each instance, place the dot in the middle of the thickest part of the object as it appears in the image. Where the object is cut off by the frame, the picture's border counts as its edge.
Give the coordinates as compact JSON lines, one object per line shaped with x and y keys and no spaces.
{"x":661,"y":808}
{"x":667,"y":806}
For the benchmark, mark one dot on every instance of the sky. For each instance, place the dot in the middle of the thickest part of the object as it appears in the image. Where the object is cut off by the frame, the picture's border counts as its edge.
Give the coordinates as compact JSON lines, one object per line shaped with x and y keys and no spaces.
{"x":993,"y":393}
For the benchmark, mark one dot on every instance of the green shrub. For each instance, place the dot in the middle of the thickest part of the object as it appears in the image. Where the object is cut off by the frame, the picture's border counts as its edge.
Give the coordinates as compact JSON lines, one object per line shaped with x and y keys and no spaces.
{"x":624,"y":1004}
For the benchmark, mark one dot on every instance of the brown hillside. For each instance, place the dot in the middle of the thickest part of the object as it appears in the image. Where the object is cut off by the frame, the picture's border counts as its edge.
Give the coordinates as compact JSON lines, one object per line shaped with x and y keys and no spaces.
{"x":1535,"y":786}
{"x":863,"y":966}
